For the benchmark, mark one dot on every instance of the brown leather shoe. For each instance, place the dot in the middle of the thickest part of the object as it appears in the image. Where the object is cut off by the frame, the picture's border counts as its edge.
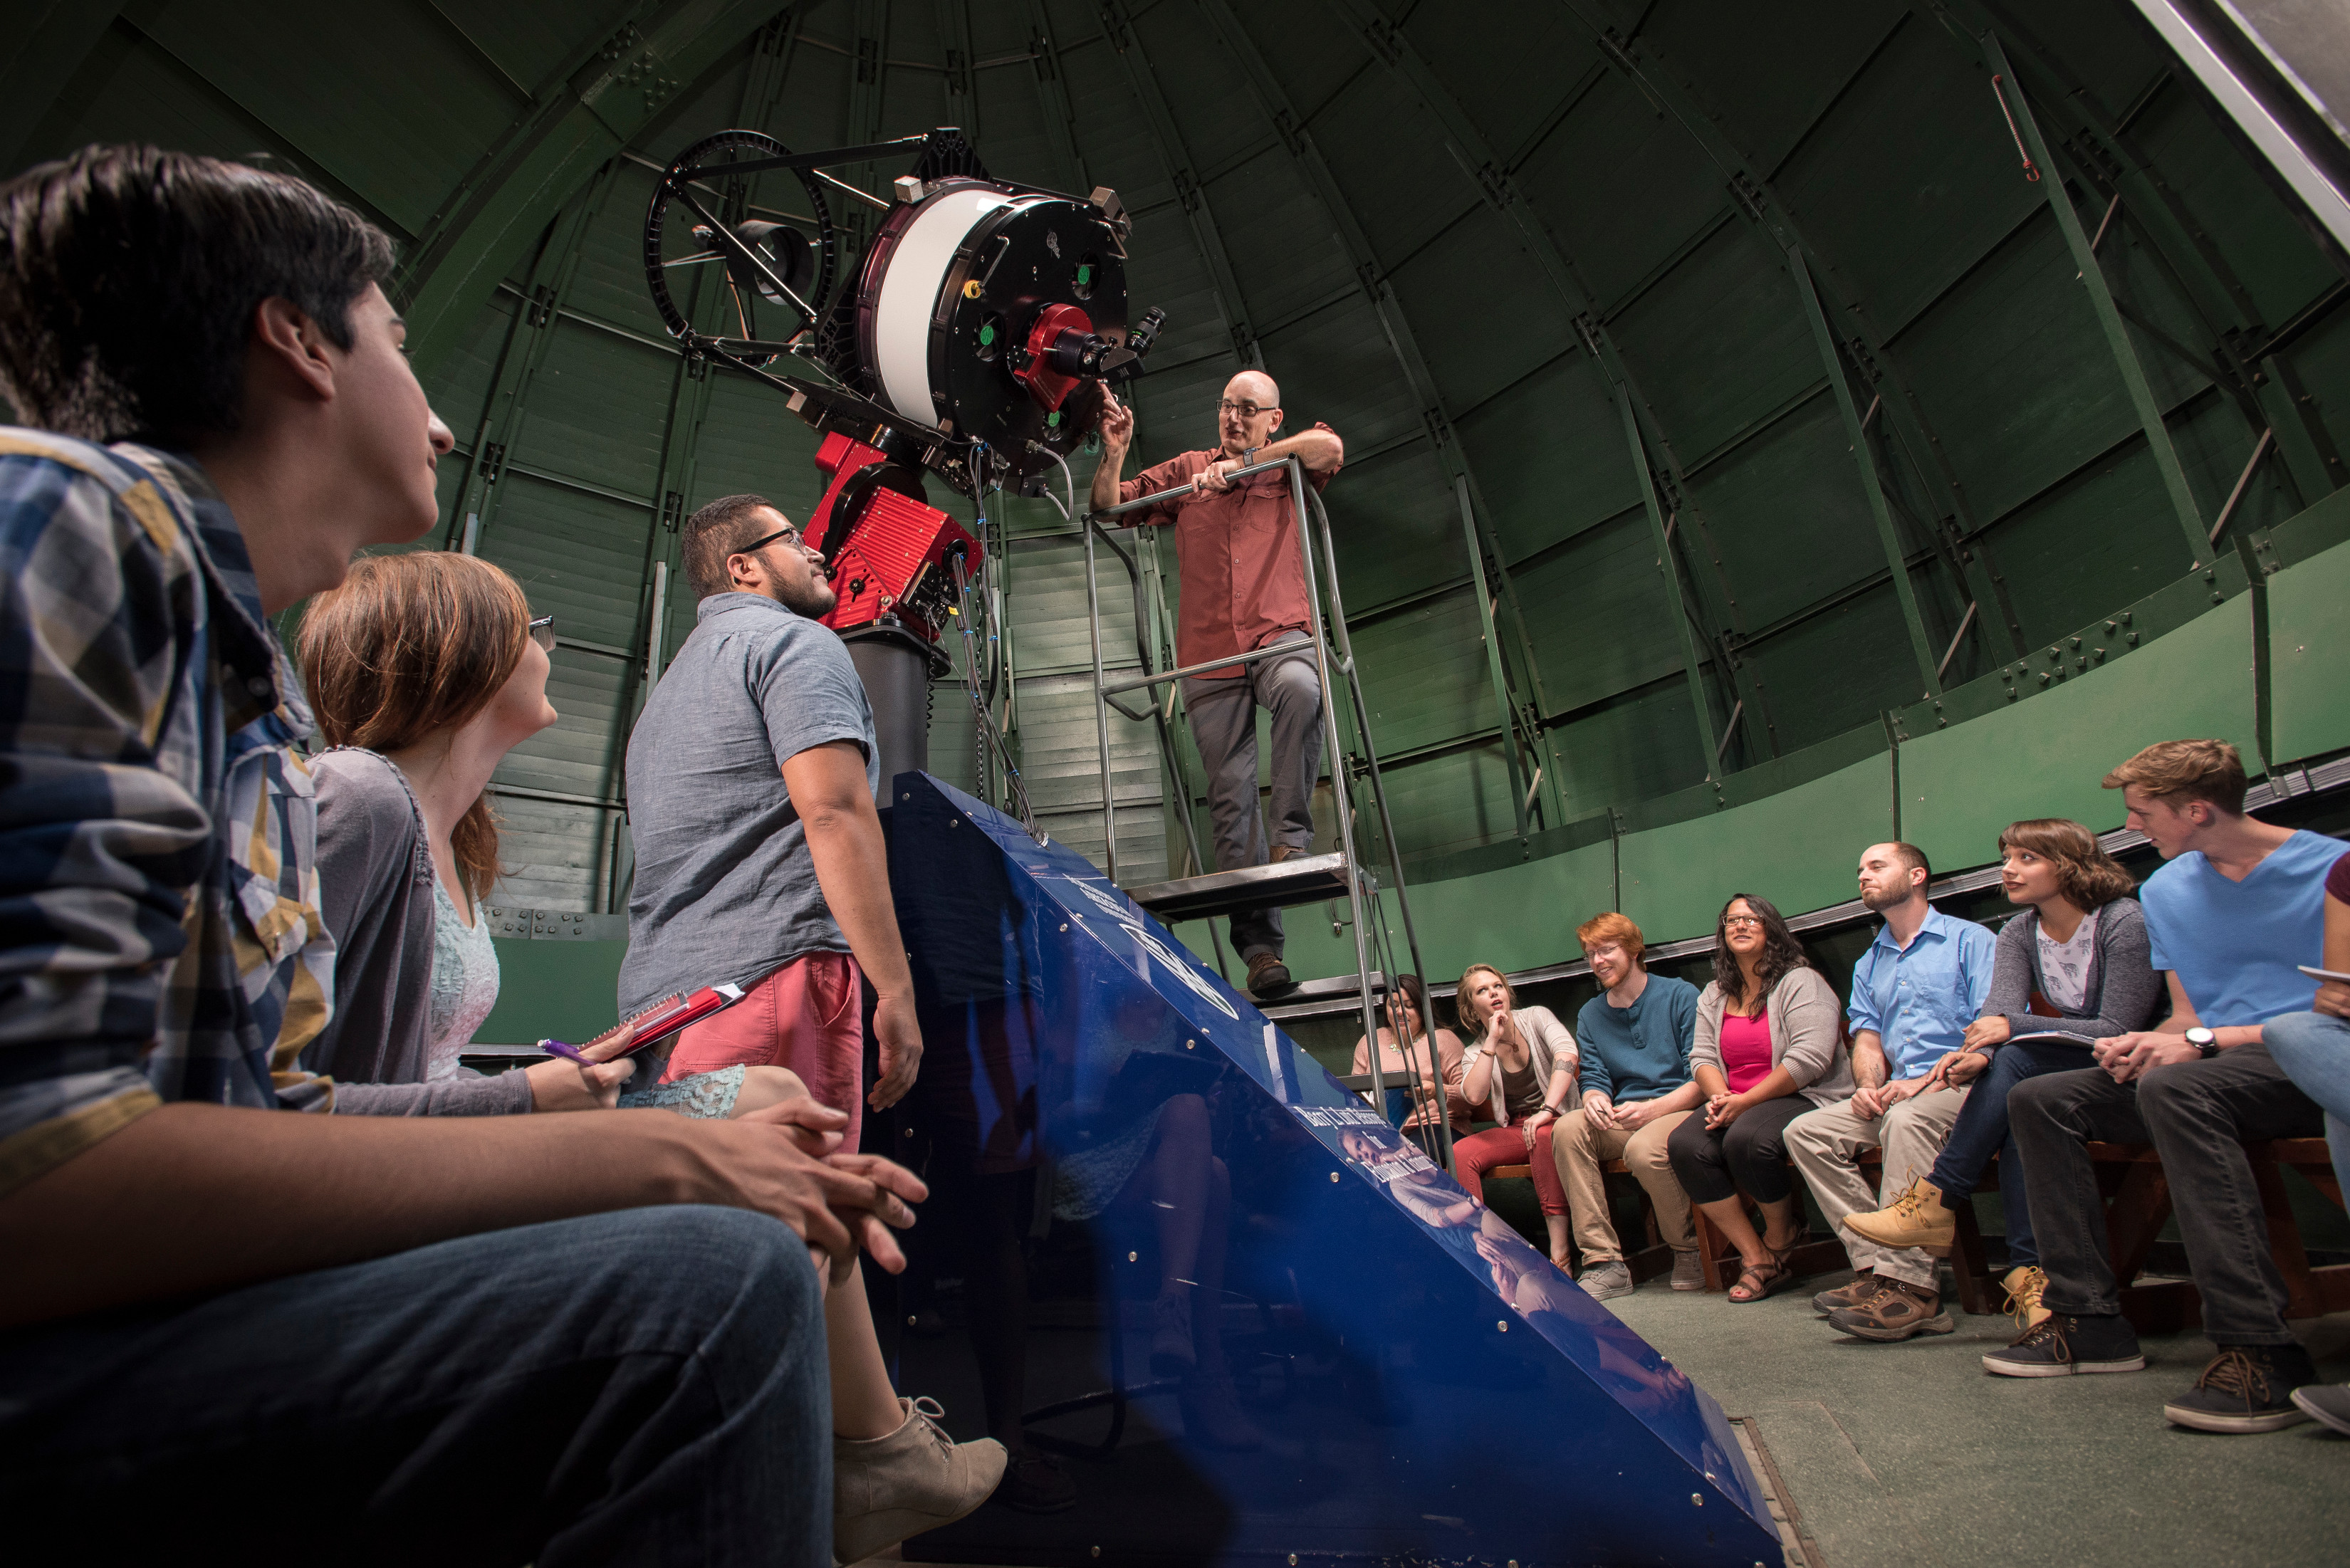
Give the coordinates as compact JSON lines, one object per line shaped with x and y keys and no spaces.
{"x":1897,"y":1310}
{"x":1863,"y":1286}
{"x":1268,"y":976}
{"x":1281,"y":852}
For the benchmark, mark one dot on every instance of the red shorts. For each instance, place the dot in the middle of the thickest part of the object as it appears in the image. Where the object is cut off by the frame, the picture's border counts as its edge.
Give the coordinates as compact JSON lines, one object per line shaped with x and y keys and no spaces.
{"x":805,"y":1016}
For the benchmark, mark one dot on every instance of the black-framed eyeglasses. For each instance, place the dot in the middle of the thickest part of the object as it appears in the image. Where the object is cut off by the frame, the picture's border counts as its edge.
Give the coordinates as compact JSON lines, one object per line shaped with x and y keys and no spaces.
{"x":542,"y":632}
{"x":1245,"y":410}
{"x":755,"y":545}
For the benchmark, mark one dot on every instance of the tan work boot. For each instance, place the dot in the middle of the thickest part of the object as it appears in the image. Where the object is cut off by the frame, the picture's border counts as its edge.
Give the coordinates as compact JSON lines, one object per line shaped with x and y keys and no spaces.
{"x":1916,"y":1219}
{"x":916,"y":1479}
{"x":2024,"y":1286}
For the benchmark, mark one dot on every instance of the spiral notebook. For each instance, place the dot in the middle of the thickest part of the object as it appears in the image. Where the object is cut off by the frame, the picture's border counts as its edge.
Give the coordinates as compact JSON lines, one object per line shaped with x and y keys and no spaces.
{"x":654,"y":1023}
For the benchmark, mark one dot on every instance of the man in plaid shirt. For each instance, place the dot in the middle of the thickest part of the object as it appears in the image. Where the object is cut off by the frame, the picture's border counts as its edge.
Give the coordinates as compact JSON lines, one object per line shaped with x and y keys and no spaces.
{"x":206,"y":1296}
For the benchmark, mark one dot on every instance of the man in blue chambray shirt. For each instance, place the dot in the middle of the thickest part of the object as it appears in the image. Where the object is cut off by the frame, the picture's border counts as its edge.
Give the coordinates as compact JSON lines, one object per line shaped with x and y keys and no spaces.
{"x":1914,"y":992}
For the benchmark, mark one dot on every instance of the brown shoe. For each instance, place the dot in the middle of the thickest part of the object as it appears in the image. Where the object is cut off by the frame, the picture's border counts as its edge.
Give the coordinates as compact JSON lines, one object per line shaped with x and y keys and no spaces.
{"x":1268,"y":976}
{"x":1897,"y":1310}
{"x":1915,"y":1217}
{"x":2025,"y":1288}
{"x":1281,"y":852}
{"x":1828,"y":1302}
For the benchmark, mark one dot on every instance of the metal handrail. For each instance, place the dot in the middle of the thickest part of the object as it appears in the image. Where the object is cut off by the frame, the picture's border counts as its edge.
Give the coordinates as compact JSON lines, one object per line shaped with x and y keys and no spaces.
{"x":1325,"y":668}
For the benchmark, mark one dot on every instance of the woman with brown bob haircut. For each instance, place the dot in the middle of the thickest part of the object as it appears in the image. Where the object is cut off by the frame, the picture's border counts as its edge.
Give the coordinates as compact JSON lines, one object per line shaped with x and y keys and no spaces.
{"x":2073,"y":968}
{"x":424,"y":670}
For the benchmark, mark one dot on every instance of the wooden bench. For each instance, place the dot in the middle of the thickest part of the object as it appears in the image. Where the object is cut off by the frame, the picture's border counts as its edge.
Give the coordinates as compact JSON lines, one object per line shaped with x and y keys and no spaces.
{"x":2138,"y":1204}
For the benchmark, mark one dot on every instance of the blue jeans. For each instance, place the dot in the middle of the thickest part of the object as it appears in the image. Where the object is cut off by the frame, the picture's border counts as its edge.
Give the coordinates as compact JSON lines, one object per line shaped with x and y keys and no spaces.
{"x":1980,"y":1132}
{"x":648,"y":1387}
{"x":2313,"y":1049}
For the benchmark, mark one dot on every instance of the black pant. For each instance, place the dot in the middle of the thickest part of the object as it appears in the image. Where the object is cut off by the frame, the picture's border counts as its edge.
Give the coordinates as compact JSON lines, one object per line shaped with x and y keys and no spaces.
{"x":2199,"y":1115}
{"x":1713,"y":1163}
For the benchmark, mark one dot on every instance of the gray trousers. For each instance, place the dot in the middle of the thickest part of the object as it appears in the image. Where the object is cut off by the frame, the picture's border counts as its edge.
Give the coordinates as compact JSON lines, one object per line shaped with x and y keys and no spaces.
{"x":2199,"y":1115}
{"x":1224,"y":724}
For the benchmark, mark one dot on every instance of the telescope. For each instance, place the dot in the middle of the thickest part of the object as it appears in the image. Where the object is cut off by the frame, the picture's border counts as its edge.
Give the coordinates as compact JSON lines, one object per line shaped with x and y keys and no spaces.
{"x":975,"y":344}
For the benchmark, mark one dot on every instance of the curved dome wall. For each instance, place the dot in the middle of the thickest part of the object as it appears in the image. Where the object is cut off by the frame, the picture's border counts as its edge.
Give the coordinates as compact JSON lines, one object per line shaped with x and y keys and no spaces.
{"x":1733,"y":335}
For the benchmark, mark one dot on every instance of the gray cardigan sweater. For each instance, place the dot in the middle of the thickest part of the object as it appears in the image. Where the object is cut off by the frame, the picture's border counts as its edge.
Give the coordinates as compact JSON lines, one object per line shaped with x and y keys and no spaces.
{"x":375,"y":890}
{"x":1806,"y":1034}
{"x":2123,"y":992}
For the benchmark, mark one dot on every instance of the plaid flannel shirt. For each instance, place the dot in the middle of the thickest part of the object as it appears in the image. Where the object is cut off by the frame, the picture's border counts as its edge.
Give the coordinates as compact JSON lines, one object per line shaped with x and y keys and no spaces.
{"x":160,"y":935}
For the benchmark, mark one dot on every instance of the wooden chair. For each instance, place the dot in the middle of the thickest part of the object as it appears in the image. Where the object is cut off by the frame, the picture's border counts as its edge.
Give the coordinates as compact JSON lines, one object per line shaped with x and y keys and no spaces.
{"x":1645,"y":1262}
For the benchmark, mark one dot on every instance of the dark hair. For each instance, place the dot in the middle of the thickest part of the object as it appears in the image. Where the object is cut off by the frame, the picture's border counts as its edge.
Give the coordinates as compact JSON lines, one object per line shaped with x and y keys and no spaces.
{"x":2087,"y":876}
{"x":411,"y":644}
{"x":1782,"y":954}
{"x":128,"y":278}
{"x":1413,"y":992}
{"x":718,"y":530}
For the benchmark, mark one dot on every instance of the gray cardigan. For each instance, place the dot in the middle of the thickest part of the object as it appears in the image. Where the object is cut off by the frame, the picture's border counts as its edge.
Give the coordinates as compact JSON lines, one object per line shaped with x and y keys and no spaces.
{"x":1548,"y":1045}
{"x":375,"y":890}
{"x":1806,"y":1035}
{"x":2123,"y":992}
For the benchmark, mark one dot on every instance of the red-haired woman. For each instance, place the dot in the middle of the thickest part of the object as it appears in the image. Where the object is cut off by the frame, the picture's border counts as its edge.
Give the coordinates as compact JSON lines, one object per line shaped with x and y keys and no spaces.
{"x":1519,"y":1069}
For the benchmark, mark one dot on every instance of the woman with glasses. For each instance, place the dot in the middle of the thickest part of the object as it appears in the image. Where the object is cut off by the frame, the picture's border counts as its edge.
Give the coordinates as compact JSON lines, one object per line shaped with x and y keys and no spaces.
{"x":1411,"y":1094}
{"x":1768,"y":1048}
{"x":424,"y":670}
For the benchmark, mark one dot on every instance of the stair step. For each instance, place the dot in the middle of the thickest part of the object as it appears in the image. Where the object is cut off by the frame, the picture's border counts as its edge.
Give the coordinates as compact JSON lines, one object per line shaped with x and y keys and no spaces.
{"x":1300,"y":880}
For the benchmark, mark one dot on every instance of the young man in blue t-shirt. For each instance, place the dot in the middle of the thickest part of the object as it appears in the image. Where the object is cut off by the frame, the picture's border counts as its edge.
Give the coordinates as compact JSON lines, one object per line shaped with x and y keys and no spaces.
{"x":1636,"y":1036}
{"x":2237,"y":908}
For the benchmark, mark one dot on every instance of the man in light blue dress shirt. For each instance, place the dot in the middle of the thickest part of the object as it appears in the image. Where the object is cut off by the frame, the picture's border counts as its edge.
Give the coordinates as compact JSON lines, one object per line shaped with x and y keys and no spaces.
{"x":1914,"y":992}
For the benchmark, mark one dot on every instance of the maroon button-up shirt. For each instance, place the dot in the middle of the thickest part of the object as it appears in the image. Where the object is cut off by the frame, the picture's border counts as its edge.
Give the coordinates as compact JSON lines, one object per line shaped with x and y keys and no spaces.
{"x":1243,"y":580}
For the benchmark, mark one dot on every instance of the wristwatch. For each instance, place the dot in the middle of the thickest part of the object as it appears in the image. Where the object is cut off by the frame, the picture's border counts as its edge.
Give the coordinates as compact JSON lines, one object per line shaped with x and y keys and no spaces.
{"x":2203,"y":1039}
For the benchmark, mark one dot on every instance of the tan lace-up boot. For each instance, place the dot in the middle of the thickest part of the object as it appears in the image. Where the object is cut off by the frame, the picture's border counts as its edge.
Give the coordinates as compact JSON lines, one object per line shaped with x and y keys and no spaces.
{"x":2024,"y":1286}
{"x":885,"y":1489}
{"x":1916,"y":1219}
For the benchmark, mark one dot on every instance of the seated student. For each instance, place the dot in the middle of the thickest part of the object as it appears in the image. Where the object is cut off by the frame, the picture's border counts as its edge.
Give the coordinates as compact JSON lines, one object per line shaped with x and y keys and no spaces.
{"x":424,"y":670}
{"x":1407,"y":1010}
{"x":1914,"y":992}
{"x":1769,"y":1048}
{"x":2074,"y":961}
{"x":1636,"y":1038}
{"x":2239,"y":907}
{"x":2313,"y":1049}
{"x":1519,"y":1069}
{"x":621,"y":1309}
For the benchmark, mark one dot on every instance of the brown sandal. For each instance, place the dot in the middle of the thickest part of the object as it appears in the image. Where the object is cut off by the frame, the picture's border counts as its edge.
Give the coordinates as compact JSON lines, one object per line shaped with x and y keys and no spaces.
{"x":1767,"y":1280}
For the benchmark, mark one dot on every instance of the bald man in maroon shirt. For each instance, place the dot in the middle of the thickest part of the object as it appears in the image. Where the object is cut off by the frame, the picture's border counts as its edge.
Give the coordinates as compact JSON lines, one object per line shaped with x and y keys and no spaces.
{"x":1244,"y":588}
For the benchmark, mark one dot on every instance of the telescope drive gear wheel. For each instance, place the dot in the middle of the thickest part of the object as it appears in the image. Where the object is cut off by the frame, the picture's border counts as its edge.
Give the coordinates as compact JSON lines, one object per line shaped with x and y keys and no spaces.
{"x":698,"y":218}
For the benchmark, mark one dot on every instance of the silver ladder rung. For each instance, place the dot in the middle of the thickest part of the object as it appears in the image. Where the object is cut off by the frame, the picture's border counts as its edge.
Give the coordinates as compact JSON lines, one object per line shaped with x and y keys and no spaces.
{"x":1312,"y":994}
{"x":1300,"y":880}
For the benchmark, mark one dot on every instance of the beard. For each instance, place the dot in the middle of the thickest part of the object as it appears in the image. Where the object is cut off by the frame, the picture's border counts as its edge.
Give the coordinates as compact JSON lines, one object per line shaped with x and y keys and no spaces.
{"x":813,"y":599}
{"x":1878,"y":902}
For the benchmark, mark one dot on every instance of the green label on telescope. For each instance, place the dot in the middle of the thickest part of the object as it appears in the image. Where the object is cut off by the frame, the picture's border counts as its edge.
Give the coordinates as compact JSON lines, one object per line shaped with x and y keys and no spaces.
{"x":987,"y":335}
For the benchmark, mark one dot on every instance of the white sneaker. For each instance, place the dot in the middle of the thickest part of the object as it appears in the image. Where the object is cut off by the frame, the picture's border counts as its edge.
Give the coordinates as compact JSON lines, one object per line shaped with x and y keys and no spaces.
{"x":1605,"y":1281}
{"x":885,"y":1489}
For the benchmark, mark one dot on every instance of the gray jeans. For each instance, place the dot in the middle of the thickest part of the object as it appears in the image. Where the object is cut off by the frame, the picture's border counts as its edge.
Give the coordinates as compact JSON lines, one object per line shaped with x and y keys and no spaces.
{"x":2199,"y":1115}
{"x":1223,"y":724}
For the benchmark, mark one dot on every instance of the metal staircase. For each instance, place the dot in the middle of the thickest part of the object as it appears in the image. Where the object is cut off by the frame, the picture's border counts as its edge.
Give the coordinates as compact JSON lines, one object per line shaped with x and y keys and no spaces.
{"x":1300,"y":879}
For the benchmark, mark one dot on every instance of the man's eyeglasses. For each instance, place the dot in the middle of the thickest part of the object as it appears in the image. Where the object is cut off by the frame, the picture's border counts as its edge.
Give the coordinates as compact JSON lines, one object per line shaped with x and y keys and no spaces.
{"x":1245,"y":410}
{"x":1736,"y":922}
{"x":542,"y":632}
{"x":755,"y":545}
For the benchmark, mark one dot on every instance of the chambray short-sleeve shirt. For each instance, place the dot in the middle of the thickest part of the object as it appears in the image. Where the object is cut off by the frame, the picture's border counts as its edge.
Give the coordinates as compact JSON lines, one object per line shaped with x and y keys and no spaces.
{"x":1919,"y":998}
{"x":725,"y":889}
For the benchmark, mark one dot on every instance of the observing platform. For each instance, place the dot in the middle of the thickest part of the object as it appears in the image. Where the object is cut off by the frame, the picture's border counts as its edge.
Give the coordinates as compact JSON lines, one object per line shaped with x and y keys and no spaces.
{"x":1300,"y":880}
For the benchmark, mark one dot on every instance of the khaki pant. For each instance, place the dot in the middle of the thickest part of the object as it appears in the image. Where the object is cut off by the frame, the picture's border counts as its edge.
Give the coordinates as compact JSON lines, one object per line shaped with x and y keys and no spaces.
{"x":1826,"y":1145}
{"x":1581,"y":1148}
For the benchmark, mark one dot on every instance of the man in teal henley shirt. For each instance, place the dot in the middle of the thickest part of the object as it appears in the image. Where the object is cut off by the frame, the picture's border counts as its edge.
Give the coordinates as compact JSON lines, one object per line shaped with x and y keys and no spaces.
{"x":1635,"y":1037}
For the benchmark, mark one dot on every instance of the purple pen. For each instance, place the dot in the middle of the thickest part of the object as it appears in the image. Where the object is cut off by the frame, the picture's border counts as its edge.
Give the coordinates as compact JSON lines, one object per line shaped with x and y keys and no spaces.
{"x":557,"y":1048}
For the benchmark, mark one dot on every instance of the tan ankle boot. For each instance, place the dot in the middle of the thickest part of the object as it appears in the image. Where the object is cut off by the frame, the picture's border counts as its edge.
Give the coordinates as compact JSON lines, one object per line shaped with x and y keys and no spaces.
{"x":2024,"y":1286}
{"x":916,"y":1479}
{"x":1915,"y":1218}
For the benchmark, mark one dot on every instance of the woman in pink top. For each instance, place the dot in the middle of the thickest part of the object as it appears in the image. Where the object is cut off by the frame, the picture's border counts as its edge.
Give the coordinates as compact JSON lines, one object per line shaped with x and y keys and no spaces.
{"x":1769,"y":1047}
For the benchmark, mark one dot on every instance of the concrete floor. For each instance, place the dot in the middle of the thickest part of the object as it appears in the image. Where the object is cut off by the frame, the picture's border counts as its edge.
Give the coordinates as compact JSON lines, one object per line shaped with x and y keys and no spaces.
{"x":1912,"y":1454}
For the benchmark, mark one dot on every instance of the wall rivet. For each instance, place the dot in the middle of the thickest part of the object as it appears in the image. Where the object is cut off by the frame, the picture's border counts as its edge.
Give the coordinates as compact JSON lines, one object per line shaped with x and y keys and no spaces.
{"x":1334,"y":1177}
{"x":1696,"y":1501}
